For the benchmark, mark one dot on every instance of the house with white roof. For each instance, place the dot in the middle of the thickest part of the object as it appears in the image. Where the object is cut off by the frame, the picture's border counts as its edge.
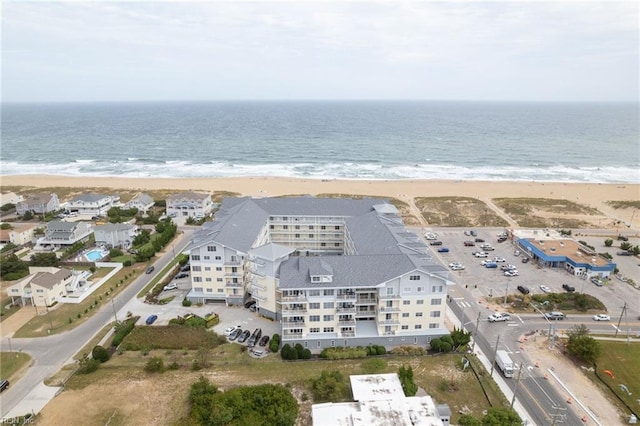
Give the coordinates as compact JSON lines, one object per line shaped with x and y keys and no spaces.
{"x":380,"y":401}
{"x":143,"y":202}
{"x":333,"y":271}
{"x":38,"y":204}
{"x":19,"y":233}
{"x":10,"y":198}
{"x":189,"y":204}
{"x":60,"y":234}
{"x":91,"y":204}
{"x":43,"y":287}
{"x":115,"y":234}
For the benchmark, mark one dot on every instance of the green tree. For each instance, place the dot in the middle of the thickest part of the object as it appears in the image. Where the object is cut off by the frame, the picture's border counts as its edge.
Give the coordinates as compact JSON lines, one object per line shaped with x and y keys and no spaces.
{"x":200,"y":397}
{"x":636,"y":250}
{"x":460,"y":337}
{"x":467,"y":420}
{"x":28,"y":215}
{"x":12,"y":268}
{"x":608,"y":242}
{"x":501,"y":417}
{"x":45,"y":259}
{"x":405,"y":374}
{"x":100,"y":353}
{"x":7,"y":207}
{"x":626,"y":246}
{"x":329,"y":387}
{"x":583,"y":346}
{"x":6,"y":225}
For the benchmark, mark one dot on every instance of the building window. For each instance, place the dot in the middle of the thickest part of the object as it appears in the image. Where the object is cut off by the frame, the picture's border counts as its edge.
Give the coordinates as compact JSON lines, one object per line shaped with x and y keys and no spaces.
{"x":328,"y":293}
{"x":328,"y":305}
{"x":310,"y":235}
{"x":407,"y":289}
{"x":337,"y":227}
{"x":195,"y":257}
{"x":406,"y":302}
{"x":197,"y":279}
{"x":197,"y":289}
{"x":336,"y":244}
{"x":405,"y":327}
{"x":420,"y":302}
{"x":433,"y":325}
{"x":314,"y":293}
{"x":315,"y":279}
{"x":323,"y":244}
{"x":436,"y":288}
{"x":206,"y":257}
{"x":314,"y":330}
{"x":322,"y":227}
{"x":414,"y":277}
{"x":219,"y":280}
{"x":420,"y":289}
{"x":314,"y":305}
{"x":418,"y":314}
{"x":329,"y":330}
{"x":314,"y":318}
{"x":218,"y":258}
{"x":39,"y":291}
{"x":327,"y":318}
{"x":209,"y":290}
{"x":435,"y":314}
{"x":196,"y":268}
{"x":389,"y":304}
{"x":208,"y":279}
{"x":207,"y":268}
{"x":436,"y":301}
{"x":405,"y":315}
{"x":297,"y":227}
{"x":285,"y":226}
{"x":218,"y":268}
{"x":297,"y":235}
{"x":389,"y":291}
{"x":418,"y":326}
{"x":211,"y":248}
{"x":271,"y":227}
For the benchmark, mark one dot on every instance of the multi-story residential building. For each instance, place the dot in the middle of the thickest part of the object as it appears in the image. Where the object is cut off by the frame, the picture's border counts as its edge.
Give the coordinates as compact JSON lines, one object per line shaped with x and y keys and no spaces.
{"x":333,"y":271}
{"x":189,"y":204}
{"x":115,"y":234}
{"x":39,"y":204}
{"x":10,"y":198}
{"x":92,"y":204}
{"x":43,"y":287}
{"x":143,"y":202}
{"x":58,"y":234}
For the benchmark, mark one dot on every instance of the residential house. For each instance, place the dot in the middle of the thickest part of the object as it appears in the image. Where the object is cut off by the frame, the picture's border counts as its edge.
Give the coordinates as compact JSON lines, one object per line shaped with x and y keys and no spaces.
{"x":60,"y":234}
{"x":115,"y":234}
{"x":10,"y":198}
{"x":333,"y":271}
{"x":189,"y":204}
{"x":143,"y":202}
{"x":19,"y":233}
{"x":38,"y":204}
{"x":43,"y":287}
{"x":91,"y":204}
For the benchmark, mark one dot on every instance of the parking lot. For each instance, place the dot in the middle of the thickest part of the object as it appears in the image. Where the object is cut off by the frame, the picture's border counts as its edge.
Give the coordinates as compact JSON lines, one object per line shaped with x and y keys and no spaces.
{"x":486,"y":282}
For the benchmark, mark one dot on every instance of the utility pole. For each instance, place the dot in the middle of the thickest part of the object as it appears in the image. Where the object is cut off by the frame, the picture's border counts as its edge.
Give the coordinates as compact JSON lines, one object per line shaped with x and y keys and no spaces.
{"x":473,"y":345}
{"x":506,"y":292}
{"x":114,"y":310}
{"x":9,"y":339}
{"x":624,"y":308}
{"x":515,"y":389}
{"x":493,"y":359}
{"x":48,"y":315}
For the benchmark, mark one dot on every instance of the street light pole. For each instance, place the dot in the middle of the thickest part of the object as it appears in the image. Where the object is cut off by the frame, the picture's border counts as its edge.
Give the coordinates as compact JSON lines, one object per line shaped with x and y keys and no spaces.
{"x":506,"y":292}
{"x":114,"y":310}
{"x":473,"y":345}
{"x":515,"y":389}
{"x":48,"y":314}
{"x":545,"y":317}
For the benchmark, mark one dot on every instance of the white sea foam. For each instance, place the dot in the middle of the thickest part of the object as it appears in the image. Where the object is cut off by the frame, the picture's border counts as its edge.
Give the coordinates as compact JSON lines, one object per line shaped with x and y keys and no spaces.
{"x":178,"y":168}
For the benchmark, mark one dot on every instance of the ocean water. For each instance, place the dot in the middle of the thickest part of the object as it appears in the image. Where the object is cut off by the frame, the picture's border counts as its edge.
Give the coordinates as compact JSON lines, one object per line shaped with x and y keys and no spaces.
{"x":565,"y":142}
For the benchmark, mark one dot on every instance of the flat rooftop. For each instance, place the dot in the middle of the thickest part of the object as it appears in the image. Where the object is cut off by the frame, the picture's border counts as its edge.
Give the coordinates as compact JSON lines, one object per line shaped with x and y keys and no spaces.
{"x":568,"y":248}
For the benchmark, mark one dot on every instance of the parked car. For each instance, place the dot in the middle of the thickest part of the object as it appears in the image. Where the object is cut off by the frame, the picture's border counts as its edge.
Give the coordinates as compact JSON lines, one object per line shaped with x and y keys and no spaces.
{"x":502,"y":239}
{"x":497,"y":317}
{"x":182,"y":275}
{"x":263,"y":341}
{"x":430,"y":236}
{"x":171,"y":286}
{"x":622,"y":238}
{"x":499,"y":259}
{"x":525,"y":260}
{"x":249,"y":303}
{"x":597,"y":281}
{"x":522,"y":289}
{"x":557,"y":316}
{"x":230,"y":330}
{"x":516,"y":253}
{"x":150,"y":269}
{"x":625,"y":253}
{"x":244,"y":336}
{"x":151,"y":319}
{"x":435,"y":243}
{"x":4,"y":383}
{"x":568,"y":288}
{"x":511,"y":273}
{"x":601,"y":317}
{"x":255,"y":336}
{"x":443,"y":250}
{"x":456,"y":266}
{"x":480,"y":254}
{"x":545,"y":289}
{"x":491,"y":265}
{"x":185,"y":268}
{"x":479,"y":240}
{"x":473,"y":233}
{"x":257,"y":353}
{"x":235,"y":334}
{"x":508,"y":267}
{"x":469,"y":244}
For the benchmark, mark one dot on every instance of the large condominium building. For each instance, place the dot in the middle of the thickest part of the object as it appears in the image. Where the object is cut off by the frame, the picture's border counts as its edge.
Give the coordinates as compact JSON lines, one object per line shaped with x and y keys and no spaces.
{"x":332,"y":271}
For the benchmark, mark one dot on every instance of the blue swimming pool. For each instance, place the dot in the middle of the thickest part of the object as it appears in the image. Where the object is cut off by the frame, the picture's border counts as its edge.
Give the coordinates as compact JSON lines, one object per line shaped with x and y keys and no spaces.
{"x":94,"y":255}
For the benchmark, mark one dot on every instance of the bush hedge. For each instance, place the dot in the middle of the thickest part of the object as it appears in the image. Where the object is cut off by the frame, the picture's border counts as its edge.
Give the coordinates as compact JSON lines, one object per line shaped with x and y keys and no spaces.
{"x":122,"y":330}
{"x":100,"y":353}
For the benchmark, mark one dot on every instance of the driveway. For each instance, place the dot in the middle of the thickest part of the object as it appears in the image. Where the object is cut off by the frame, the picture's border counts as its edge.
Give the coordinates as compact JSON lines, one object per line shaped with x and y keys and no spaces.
{"x":17,"y":320}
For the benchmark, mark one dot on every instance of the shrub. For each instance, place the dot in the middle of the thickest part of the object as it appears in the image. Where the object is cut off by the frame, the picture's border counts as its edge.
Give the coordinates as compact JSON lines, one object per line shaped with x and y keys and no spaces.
{"x":100,"y":353}
{"x":343,"y":353}
{"x":122,"y":330}
{"x":154,"y":365}
{"x":186,"y":302}
{"x":88,"y":365}
{"x":127,"y":263}
{"x":173,"y":366}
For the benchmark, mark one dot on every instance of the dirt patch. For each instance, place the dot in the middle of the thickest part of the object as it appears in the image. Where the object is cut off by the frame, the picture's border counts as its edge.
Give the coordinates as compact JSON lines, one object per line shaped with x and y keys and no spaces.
{"x":458,"y":212}
{"x":537,"y":348}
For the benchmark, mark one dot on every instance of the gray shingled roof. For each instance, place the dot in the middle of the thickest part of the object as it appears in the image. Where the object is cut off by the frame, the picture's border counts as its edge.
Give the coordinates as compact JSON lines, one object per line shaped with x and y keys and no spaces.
{"x":48,"y":280}
{"x":89,"y":198}
{"x":110,"y":227}
{"x":301,"y":206}
{"x":188,"y":196}
{"x":348,"y":271}
{"x":58,"y":225}
{"x":142,"y":198}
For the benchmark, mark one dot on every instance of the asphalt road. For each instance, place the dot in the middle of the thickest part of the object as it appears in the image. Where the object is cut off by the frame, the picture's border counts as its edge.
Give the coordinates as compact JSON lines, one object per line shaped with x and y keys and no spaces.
{"x":51,"y":353}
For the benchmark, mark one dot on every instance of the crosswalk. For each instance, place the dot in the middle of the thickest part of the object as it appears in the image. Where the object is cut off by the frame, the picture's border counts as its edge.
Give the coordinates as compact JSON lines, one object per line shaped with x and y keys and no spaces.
{"x":460,"y":301}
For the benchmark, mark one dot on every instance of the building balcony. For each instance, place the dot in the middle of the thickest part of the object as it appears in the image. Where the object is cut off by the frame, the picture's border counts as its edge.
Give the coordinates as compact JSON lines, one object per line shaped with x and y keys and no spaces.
{"x":293,"y":312}
{"x":233,"y":274}
{"x":256,"y":261}
{"x":366,"y":302}
{"x":258,"y":285}
{"x":389,"y":322}
{"x":366,"y":314}
{"x":292,"y":324}
{"x":233,"y":262}
{"x":390,"y":297}
{"x":388,"y":309}
{"x":259,"y":297}
{"x":233,"y":285}
{"x":348,"y":334}
{"x":293,"y":299}
{"x":292,"y":336}
{"x":346,"y":310}
{"x":389,"y":333}
{"x":347,"y":323}
{"x":347,"y":297}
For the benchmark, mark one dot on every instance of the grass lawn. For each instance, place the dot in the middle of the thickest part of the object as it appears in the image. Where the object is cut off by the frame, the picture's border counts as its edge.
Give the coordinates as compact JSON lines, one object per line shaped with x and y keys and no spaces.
{"x":230,"y":365}
{"x":64,"y":316}
{"x":623,"y":360}
{"x":11,"y":363}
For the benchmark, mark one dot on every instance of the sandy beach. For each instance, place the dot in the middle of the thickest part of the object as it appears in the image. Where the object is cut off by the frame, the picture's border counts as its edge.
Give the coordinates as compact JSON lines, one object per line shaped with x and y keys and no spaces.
{"x":590,"y":194}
